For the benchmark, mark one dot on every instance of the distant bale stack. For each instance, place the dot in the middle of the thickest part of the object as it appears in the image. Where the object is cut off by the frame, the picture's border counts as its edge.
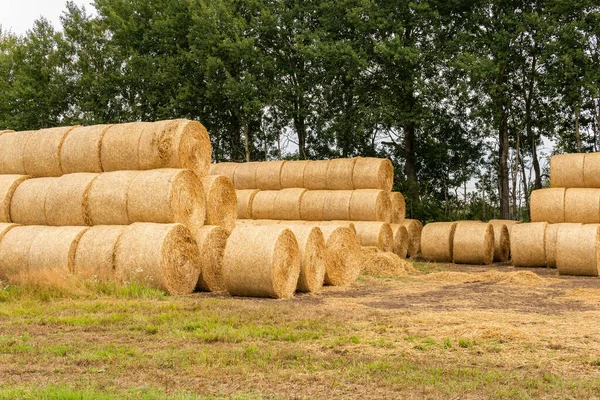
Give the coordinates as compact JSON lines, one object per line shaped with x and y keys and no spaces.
{"x":551,"y":242}
{"x":42,"y":151}
{"x":501,"y":241}
{"x":82,"y":148}
{"x":373,"y":173}
{"x":528,"y":245}
{"x":28,"y":203}
{"x":566,"y":171}
{"x":343,"y":255}
{"x":340,"y":174}
{"x":244,"y":176}
{"x":11,"y":156}
{"x":8,"y":185}
{"x":548,"y":205}
{"x":313,"y":255}
{"x":227,"y":169}
{"x":401,"y":240}
{"x":221,"y":201}
{"x":414,"y":229}
{"x":107,"y":199}
{"x":578,"y":250}
{"x":262,"y":261}
{"x":437,"y":241}
{"x":95,"y":253}
{"x":67,"y":200}
{"x":211,"y":242}
{"x":398,"y":205}
{"x":268,"y":175}
{"x":375,"y":234}
{"x":245,"y":198}
{"x":370,"y":205}
{"x":292,"y":174}
{"x":582,"y":206}
{"x":473,"y":244}
{"x":591,"y":171}
{"x":315,"y":175}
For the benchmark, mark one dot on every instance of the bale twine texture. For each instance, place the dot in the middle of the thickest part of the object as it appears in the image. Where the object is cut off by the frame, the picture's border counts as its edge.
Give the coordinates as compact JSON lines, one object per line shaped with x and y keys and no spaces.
{"x":107,"y":199}
{"x":340,"y":174}
{"x":375,"y":234}
{"x":81,"y":149}
{"x":245,"y":198}
{"x":315,"y":175}
{"x":220,"y":199}
{"x":8,"y":185}
{"x":292,"y":174}
{"x":591,"y":170}
{"x":578,"y":250}
{"x":551,"y":242}
{"x":473,"y":244}
{"x":312,"y":206}
{"x":337,"y":205}
{"x":227,"y":169}
{"x":373,"y":173}
{"x":119,"y":149}
{"x":401,"y":240}
{"x":211,"y":242}
{"x":566,"y":171}
{"x":398,"y":207}
{"x":95,"y":254}
{"x":11,"y":156}
{"x":582,"y":206}
{"x":370,"y":205}
{"x":263,"y":205}
{"x":528,"y":245}
{"x":548,"y":205}
{"x":343,"y":255}
{"x":344,"y":224}
{"x":28,"y":204}
{"x":41,"y":153}
{"x":67,"y":200}
{"x":244,"y":176}
{"x":268,"y":175}
{"x":437,"y":241}
{"x":313,"y":253}
{"x":54,"y":248}
{"x":414,"y":229}
{"x":287,"y":204}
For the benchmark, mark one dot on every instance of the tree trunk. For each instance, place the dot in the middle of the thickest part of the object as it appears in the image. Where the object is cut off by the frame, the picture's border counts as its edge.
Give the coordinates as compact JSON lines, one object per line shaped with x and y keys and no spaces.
{"x":246,"y":140}
{"x":515,"y":176}
{"x":503,"y":170}
{"x":525,"y":187}
{"x":577,"y":134}
{"x":410,"y":166}
{"x":300,"y":125}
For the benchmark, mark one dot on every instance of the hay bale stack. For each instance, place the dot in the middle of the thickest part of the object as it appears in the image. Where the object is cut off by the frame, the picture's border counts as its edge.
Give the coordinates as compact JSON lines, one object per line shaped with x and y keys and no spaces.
{"x":501,"y":241}
{"x":292,"y":174}
{"x":398,"y":207}
{"x":119,"y":149}
{"x":578,"y":250}
{"x":95,"y":254}
{"x":473,"y":243}
{"x":548,"y":205}
{"x":162,"y":256}
{"x":11,"y":156}
{"x":42,"y":150}
{"x":226,"y":169}
{"x":370,"y":205}
{"x":287,"y":204}
{"x":15,"y":243}
{"x":375,"y":234}
{"x":312,"y":206}
{"x":315,"y":175}
{"x":54,"y":248}
{"x":340,"y":174}
{"x":67,"y":200}
{"x":337,"y":205}
{"x":528,"y":245}
{"x":268,"y":175}
{"x":211,"y":242}
{"x":262,"y":261}
{"x":8,"y":186}
{"x":401,"y":240}
{"x":591,"y":171}
{"x":244,"y":176}
{"x":566,"y":171}
{"x":28,"y":204}
{"x":437,"y":241}
{"x":343,"y":255}
{"x":263,"y":205}
{"x":81,"y":149}
{"x":107,"y":199}
{"x":582,"y":206}
{"x":313,"y":254}
{"x":245,"y":198}
{"x":373,"y":173}
{"x":414,"y":229}
{"x":220,"y":199}
{"x":551,"y":242}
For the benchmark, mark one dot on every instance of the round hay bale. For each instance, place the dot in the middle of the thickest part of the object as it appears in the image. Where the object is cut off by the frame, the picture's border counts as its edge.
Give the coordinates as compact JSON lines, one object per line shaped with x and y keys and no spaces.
{"x":11,"y":156}
{"x":95,"y":254}
{"x":179,"y":143}
{"x":245,"y":176}
{"x":315,"y":175}
{"x":508,"y":222}
{"x":343,"y":255}
{"x":211,"y":242}
{"x":54,"y":248}
{"x":312,"y":206}
{"x":292,"y":174}
{"x":6,"y":131}
{"x":262,"y":261}
{"x":578,"y":250}
{"x":167,"y":196}
{"x":81,"y":149}
{"x":226,"y":169}
{"x":370,"y":205}
{"x":384,"y":264}
{"x":414,"y":229}
{"x":375,"y":234}
{"x":373,"y":173}
{"x":591,"y":170}
{"x":401,"y":240}
{"x":551,"y":242}
{"x":107,"y":199}
{"x":5,"y":227}
{"x":339,"y":174}
{"x":313,"y":253}
{"x":8,"y":185}
{"x":162,"y":256}
{"x":120,"y":147}
{"x":528,"y":245}
{"x":221,"y":201}
{"x":287,"y":204}
{"x":582,"y":206}
{"x":548,"y":205}
{"x":437,"y":241}
{"x":344,"y":224}
{"x":398,"y":205}
{"x":67,"y":200}
{"x":41,"y":153}
{"x":501,"y":242}
{"x":245,"y":198}
{"x":473,"y":244}
{"x":337,"y":205}
{"x":28,"y":204}
{"x":15,"y":243}
{"x":566,"y":171}
{"x":268,"y":175}
{"x":263,"y":205}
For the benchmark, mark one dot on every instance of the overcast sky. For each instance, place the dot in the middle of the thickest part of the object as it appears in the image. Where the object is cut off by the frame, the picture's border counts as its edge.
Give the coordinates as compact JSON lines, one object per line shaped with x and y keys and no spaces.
{"x":19,"y":15}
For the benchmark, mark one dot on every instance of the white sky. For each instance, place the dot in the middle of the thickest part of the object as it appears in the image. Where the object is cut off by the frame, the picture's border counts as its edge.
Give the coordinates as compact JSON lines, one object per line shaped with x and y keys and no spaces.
{"x":18,"y":15}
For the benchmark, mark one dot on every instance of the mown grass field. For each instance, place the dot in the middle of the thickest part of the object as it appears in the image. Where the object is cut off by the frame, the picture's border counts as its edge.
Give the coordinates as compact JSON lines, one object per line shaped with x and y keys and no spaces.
{"x":437,"y":335}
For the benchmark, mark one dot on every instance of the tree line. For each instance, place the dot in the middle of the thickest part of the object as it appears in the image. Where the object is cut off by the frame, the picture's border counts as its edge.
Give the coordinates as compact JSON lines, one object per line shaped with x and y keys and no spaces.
{"x":453,"y":92}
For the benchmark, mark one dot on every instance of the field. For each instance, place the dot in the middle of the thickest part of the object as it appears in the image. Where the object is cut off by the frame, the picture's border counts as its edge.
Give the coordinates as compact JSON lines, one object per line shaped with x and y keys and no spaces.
{"x":449,"y":332}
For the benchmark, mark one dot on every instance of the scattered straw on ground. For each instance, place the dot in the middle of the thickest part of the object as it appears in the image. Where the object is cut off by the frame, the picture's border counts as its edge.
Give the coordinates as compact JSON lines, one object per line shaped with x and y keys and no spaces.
{"x":519,"y":278}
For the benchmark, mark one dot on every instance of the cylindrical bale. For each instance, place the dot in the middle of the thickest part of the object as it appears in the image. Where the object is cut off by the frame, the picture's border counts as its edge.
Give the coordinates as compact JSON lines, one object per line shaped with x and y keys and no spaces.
{"x":107,"y":199}
{"x":287,"y":204}
{"x":591,"y":170}
{"x":179,"y":143}
{"x":226,"y":169}
{"x":345,"y":224}
{"x":313,"y":253}
{"x":343,"y":255}
{"x":263,"y":205}
{"x":8,"y":185}
{"x":268,"y":175}
{"x":375,"y":234}
{"x":81,"y":149}
{"x":501,"y":241}
{"x":578,"y":250}
{"x":414,"y":228}
{"x":398,"y":207}
{"x":337,"y":205}
{"x":437,"y":241}
{"x":582,"y":206}
{"x":262,"y":261}
{"x":167,"y":196}
{"x":370,"y":205}
{"x":221,"y":201}
{"x":53,"y":249}
{"x":548,"y":205}
{"x":120,"y":147}
{"x":41,"y":154}
{"x":5,"y":131}
{"x":162,"y":256}
{"x":566,"y":171}
{"x":67,"y":200}
{"x":292,"y":174}
{"x":95,"y":254}
{"x":312,"y":206}
{"x":339,"y":174}
{"x":15,"y":242}
{"x":373,"y":173}
{"x":245,"y":198}
{"x":315,"y":175}
{"x":28,"y":204}
{"x":508,"y":222}
{"x":401,"y":240}
{"x":551,"y":242}
{"x":211,"y":242}
{"x":12,"y":145}
{"x":5,"y":227}
{"x":244,"y":176}
{"x":473,"y":244}
{"x":528,"y":245}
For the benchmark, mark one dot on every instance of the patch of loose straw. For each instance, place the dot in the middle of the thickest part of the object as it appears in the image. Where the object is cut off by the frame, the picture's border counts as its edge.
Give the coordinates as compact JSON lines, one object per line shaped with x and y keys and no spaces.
{"x":384,"y":264}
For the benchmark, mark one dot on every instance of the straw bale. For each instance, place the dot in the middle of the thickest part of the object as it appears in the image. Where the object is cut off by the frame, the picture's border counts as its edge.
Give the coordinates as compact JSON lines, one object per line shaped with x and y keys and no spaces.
{"x":287,"y":204}
{"x":414,"y":229}
{"x":268,"y":175}
{"x":566,"y":171}
{"x":375,"y":234}
{"x":373,"y":173}
{"x":437,"y":241}
{"x":508,"y":222}
{"x":582,"y":206}
{"x":120,"y":147}
{"x":5,"y":227}
{"x":551,"y":242}
{"x":312,"y":206}
{"x":245,"y":198}
{"x":591,"y":171}
{"x":292,"y":174}
{"x":578,"y":250}
{"x":41,"y":153}
{"x":315,"y":175}
{"x":28,"y":204}
{"x":81,"y":149}
{"x":8,"y":185}
{"x":473,"y":243}
{"x":11,"y":156}
{"x":162,"y":256}
{"x":263,"y":205}
{"x":370,"y":205}
{"x":6,"y":131}
{"x":398,"y":207}
{"x":501,"y":242}
{"x":53,"y":249}
{"x":221,"y":201}
{"x":226,"y":169}
{"x":15,"y":243}
{"x":384,"y":264}
{"x":313,"y":254}
{"x":262,"y":261}
{"x":245,"y":176}
{"x":107,"y":199}
{"x":345,"y":224}
{"x":528,"y":245}
{"x":95,"y":254}
{"x":339,"y":174}
{"x":211,"y":242}
{"x":67,"y":200}
{"x":401,"y":240}
{"x":548,"y":205}
{"x":337,"y":205}
{"x":343,"y":255}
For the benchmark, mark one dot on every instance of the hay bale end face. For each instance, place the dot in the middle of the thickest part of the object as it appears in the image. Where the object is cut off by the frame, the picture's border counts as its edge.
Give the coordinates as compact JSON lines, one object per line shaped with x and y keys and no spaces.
{"x":582,"y":206}
{"x":528,"y":245}
{"x":401,"y":240}
{"x":245,"y":198}
{"x":551,"y":242}
{"x":67,"y":200}
{"x":340,"y":174}
{"x":313,"y":253}
{"x":398,"y":207}
{"x":8,"y":185}
{"x":42,"y":150}
{"x":343,"y":255}
{"x":375,"y":234}
{"x":370,"y":205}
{"x":578,"y":250}
{"x":315,"y":175}
{"x":437,"y":241}
{"x":548,"y":205}
{"x":211,"y":242}
{"x":566,"y":171}
{"x":292,"y":174}
{"x":268,"y":175}
{"x":244,"y":176}
{"x":81,"y":149}
{"x":414,"y":229}
{"x":95,"y":254}
{"x":473,"y":243}
{"x":28,"y":203}
{"x":107,"y":198}
{"x":373,"y":173}
{"x":221,"y":201}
